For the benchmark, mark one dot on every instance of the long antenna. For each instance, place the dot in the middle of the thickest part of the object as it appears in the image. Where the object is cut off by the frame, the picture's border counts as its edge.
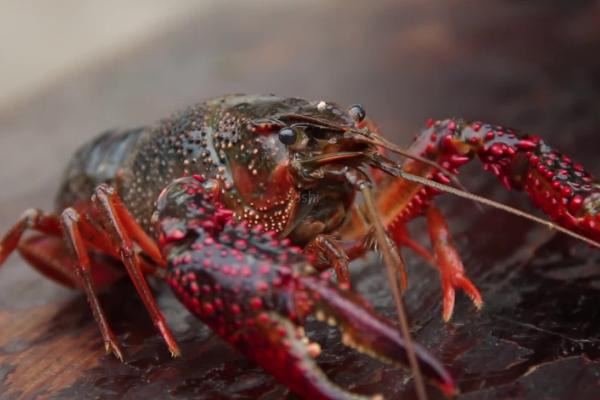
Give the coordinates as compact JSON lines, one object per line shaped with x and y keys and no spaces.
{"x":378,"y":140}
{"x":393,"y":263}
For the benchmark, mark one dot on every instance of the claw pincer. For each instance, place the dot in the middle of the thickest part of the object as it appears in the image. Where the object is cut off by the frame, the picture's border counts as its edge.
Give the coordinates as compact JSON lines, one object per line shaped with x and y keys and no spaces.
{"x":255,"y":291}
{"x":561,"y":188}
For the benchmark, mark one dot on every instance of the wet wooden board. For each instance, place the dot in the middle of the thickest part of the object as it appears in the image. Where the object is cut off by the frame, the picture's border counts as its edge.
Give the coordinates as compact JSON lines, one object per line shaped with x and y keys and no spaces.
{"x":535,"y":67}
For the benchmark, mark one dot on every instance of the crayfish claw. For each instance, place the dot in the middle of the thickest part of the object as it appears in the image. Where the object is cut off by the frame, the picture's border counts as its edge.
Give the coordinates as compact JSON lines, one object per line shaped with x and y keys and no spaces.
{"x":449,"y":286}
{"x":286,"y":353}
{"x":367,"y":333}
{"x":255,"y":291}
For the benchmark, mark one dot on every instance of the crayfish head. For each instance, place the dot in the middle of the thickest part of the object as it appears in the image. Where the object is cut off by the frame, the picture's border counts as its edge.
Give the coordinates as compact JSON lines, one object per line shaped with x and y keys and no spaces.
{"x":280,"y":176}
{"x":304,"y":134}
{"x":324,"y":137}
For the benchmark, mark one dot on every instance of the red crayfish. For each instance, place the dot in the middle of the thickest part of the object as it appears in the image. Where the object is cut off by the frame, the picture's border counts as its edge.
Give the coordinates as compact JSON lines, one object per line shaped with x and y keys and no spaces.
{"x":242,"y":202}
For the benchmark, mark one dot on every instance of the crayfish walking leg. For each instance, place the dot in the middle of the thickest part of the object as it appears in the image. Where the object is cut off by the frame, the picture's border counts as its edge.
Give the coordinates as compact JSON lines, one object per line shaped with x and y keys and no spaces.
{"x":73,"y":231}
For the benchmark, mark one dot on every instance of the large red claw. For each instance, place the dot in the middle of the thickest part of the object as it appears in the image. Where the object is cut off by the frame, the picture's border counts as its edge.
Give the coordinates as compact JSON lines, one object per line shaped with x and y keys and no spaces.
{"x":255,"y":291}
{"x":283,"y":350}
{"x":561,"y":188}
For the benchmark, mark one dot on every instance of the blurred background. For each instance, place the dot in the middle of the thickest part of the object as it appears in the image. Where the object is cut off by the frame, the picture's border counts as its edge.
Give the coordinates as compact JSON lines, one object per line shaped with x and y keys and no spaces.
{"x":42,"y":42}
{"x":71,"y":69}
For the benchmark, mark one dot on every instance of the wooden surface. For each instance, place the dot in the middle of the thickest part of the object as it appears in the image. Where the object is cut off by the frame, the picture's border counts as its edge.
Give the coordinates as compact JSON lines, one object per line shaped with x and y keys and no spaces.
{"x":532,"y":66}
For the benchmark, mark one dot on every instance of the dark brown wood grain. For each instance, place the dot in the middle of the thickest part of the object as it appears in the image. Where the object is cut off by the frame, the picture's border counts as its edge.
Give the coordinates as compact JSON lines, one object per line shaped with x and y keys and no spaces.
{"x":534,"y":66}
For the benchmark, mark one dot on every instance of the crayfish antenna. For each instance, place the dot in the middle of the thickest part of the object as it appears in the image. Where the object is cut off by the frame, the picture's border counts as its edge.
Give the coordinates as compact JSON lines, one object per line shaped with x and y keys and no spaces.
{"x":380,"y":141}
{"x":394,"y":263}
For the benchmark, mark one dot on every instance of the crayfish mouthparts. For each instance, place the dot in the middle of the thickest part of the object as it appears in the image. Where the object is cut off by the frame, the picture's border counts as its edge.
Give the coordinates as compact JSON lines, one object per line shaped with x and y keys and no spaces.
{"x":255,"y":291}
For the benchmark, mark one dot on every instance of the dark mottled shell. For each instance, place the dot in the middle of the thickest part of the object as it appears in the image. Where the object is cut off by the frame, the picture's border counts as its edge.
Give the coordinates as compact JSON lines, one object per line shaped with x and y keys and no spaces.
{"x":213,"y":140}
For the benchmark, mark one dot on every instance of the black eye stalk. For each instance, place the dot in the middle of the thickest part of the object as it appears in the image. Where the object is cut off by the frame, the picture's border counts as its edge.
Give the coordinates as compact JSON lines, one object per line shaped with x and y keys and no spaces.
{"x":287,"y":136}
{"x":357,"y":113}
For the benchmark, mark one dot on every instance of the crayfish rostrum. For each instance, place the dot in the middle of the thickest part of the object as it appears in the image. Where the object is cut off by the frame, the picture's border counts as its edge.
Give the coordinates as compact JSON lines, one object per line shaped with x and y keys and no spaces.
{"x":243,"y":204}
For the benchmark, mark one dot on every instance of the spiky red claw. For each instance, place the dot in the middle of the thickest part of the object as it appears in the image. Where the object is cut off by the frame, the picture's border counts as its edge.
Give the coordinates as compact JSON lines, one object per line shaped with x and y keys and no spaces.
{"x":561,"y":188}
{"x":255,"y":291}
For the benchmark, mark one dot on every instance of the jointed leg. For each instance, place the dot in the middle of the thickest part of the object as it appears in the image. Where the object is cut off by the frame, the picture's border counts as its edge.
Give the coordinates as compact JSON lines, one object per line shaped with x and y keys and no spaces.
{"x":47,"y":253}
{"x":70,"y":220}
{"x":107,"y":202}
{"x":133,"y":229}
{"x":452,"y":272}
{"x":328,"y":253}
{"x":445,"y":259}
{"x":30,"y":219}
{"x":400,"y":235}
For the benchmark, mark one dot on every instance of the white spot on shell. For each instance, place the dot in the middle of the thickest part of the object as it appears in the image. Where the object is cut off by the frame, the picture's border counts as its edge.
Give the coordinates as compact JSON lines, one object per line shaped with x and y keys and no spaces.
{"x":314,"y":349}
{"x":321,"y":106}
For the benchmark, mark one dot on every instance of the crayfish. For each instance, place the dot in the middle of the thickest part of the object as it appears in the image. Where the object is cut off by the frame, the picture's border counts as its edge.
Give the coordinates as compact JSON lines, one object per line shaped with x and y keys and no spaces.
{"x":243,"y":204}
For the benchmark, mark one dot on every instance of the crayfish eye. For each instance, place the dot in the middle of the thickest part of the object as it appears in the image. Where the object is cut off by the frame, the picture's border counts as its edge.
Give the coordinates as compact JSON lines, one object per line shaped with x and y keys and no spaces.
{"x":357,"y":113}
{"x":287,"y":136}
